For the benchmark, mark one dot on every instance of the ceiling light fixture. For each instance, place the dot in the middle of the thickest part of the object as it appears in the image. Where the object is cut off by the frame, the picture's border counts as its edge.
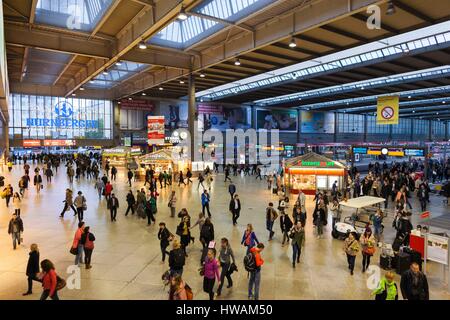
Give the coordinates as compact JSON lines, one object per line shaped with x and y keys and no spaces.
{"x":182,"y":15}
{"x":181,"y":82}
{"x":161,"y":88}
{"x":105,"y":72}
{"x":390,"y":9}
{"x":414,"y":111}
{"x":81,"y":89}
{"x":144,"y":94}
{"x":74,"y":94}
{"x":130,"y":98}
{"x":118,"y":63}
{"x":202,"y":75}
{"x":443,"y":102}
{"x":292,"y":43}
{"x":142,"y":45}
{"x":237,"y":62}
{"x":409,"y":97}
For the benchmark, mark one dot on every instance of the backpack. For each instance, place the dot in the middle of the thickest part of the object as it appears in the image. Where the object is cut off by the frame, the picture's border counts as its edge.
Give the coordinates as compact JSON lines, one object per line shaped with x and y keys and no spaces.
{"x":250,"y":262}
{"x":189,"y":293}
{"x":206,"y":232}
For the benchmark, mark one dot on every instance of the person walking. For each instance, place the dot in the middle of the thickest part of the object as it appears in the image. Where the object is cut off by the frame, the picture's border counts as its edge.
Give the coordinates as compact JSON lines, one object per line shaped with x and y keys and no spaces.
{"x":113,"y":205}
{"x":177,"y":259}
{"x":32,"y":268}
{"x":164,"y":237}
{"x":271,"y":216}
{"x":255,"y":273}
{"x":113,"y":173}
{"x":336,"y":212}
{"x":49,"y":280}
{"x":68,"y":203}
{"x":226,"y":259}
{"x":368,"y":243}
{"x":7,"y":193}
{"x":15,"y":227}
{"x":422,"y":193}
{"x":206,"y":233}
{"x":205,"y":202}
{"x":351,"y":249}
{"x":231,"y":190}
{"x":172,"y":204}
{"x":108,"y":190}
{"x":99,"y":186}
{"x":200,"y":181}
{"x":130,"y":176}
{"x":87,"y":241}
{"x":131,"y":202}
{"x":49,"y":174}
{"x":16,"y":200}
{"x":414,"y":284}
{"x":178,"y":289}
{"x":80,"y":204}
{"x":77,"y":246}
{"x":184,"y":233}
{"x":298,"y":242}
{"x":181,"y":179}
{"x":151,"y":209}
{"x":286,"y":226}
{"x":211,"y":273}
{"x":235,"y":208}
{"x":249,"y":238}
{"x":377,"y":222}
{"x":387,"y":288}
{"x":189,"y":176}
{"x":37,"y":181}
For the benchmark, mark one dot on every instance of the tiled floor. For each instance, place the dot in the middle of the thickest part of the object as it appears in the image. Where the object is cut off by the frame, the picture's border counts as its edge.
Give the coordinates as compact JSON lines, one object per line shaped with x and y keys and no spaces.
{"x":126,"y":259}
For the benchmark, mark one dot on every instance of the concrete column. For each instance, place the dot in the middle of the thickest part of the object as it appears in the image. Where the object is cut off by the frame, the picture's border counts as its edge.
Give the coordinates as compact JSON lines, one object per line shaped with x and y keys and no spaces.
{"x":299,"y":129}
{"x":253,"y":117}
{"x":430,"y":130}
{"x":116,"y":125}
{"x":192,"y":112}
{"x":365,"y":128}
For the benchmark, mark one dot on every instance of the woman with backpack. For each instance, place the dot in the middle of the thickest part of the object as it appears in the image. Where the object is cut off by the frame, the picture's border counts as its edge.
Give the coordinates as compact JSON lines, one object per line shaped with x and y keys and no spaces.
{"x":249,"y":238}
{"x":206,"y":233}
{"x":210,"y":273}
{"x":184,"y":233}
{"x":87,"y":240}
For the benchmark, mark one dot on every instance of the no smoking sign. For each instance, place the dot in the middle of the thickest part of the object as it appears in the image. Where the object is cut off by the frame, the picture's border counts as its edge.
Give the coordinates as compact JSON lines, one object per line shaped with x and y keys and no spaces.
{"x":387,"y":113}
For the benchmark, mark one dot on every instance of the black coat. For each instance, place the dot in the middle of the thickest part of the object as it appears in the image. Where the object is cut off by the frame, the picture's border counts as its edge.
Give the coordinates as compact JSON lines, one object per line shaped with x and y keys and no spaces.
{"x":406,"y":285}
{"x":231,"y":206}
{"x":285,"y":223}
{"x":33,"y":264}
{"x":163,"y":236}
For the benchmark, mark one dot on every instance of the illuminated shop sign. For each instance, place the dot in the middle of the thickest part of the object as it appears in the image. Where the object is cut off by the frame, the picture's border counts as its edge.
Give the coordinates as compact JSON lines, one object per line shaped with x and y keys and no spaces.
{"x":59,"y":143}
{"x":63,"y":111}
{"x":316,"y":163}
{"x":360,"y":150}
{"x":415,"y":152}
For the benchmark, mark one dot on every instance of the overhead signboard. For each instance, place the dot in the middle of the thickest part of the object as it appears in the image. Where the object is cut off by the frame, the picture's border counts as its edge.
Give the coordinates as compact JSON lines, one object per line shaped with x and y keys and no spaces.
{"x":141,"y":104}
{"x":415,"y":152}
{"x":31,"y":143}
{"x":387,"y":110}
{"x":59,"y":143}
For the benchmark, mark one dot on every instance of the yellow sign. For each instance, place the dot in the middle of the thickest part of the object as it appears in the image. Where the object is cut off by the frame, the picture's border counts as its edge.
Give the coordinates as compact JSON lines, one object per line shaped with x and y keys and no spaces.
{"x":387,"y":110}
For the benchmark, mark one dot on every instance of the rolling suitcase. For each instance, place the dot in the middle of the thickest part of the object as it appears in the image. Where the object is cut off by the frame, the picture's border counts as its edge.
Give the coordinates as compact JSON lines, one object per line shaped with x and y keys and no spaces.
{"x":403,"y":262}
{"x":415,"y":256}
{"x":397,"y":243}
{"x":385,"y":262}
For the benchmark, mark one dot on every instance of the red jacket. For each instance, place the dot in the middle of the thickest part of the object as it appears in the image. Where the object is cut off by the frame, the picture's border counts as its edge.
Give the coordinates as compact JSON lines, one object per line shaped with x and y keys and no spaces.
{"x":77,"y":238}
{"x":258,"y":260}
{"x":49,"y":282}
{"x":108,"y":188}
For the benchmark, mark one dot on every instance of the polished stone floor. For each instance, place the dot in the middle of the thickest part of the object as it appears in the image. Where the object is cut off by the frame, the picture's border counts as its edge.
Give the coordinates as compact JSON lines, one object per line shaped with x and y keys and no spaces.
{"x":126,"y":260}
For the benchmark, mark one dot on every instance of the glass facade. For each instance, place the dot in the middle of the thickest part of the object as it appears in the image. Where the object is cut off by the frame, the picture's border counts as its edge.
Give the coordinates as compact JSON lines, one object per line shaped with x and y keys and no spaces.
{"x":373,"y":128}
{"x":350,"y":123}
{"x":46,"y":117}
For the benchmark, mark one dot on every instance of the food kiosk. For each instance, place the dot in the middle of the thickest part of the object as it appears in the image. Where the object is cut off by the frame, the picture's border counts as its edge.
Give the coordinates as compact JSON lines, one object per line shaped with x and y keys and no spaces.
{"x":121,"y":156}
{"x":160,"y":160}
{"x":312,"y":172}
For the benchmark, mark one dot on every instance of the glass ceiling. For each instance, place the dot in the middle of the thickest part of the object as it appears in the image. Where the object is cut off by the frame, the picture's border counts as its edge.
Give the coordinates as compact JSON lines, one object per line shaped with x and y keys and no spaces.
{"x":182,"y":34}
{"x":417,"y":41}
{"x":71,"y":14}
{"x":115,"y":75}
{"x":420,"y":75}
{"x":401,"y":94}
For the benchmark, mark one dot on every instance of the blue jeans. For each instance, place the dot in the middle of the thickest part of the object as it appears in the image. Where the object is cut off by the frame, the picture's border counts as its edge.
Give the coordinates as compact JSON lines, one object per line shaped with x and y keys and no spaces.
{"x":255,"y":279}
{"x":15,"y":239}
{"x":79,"y":256}
{"x":296,"y":251}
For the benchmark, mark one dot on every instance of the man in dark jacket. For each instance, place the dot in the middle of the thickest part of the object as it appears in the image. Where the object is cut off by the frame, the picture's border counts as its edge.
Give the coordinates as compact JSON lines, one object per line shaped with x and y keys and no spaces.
{"x":130,"y":176}
{"x":15,"y":227}
{"x":113,"y":205}
{"x":286,"y":225}
{"x":414,"y":284}
{"x":131,"y":201}
{"x":231,"y":190}
{"x":235,"y":208}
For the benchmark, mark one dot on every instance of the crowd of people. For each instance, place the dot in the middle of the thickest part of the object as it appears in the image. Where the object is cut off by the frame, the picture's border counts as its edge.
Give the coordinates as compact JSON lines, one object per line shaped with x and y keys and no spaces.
{"x":396,"y":183}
